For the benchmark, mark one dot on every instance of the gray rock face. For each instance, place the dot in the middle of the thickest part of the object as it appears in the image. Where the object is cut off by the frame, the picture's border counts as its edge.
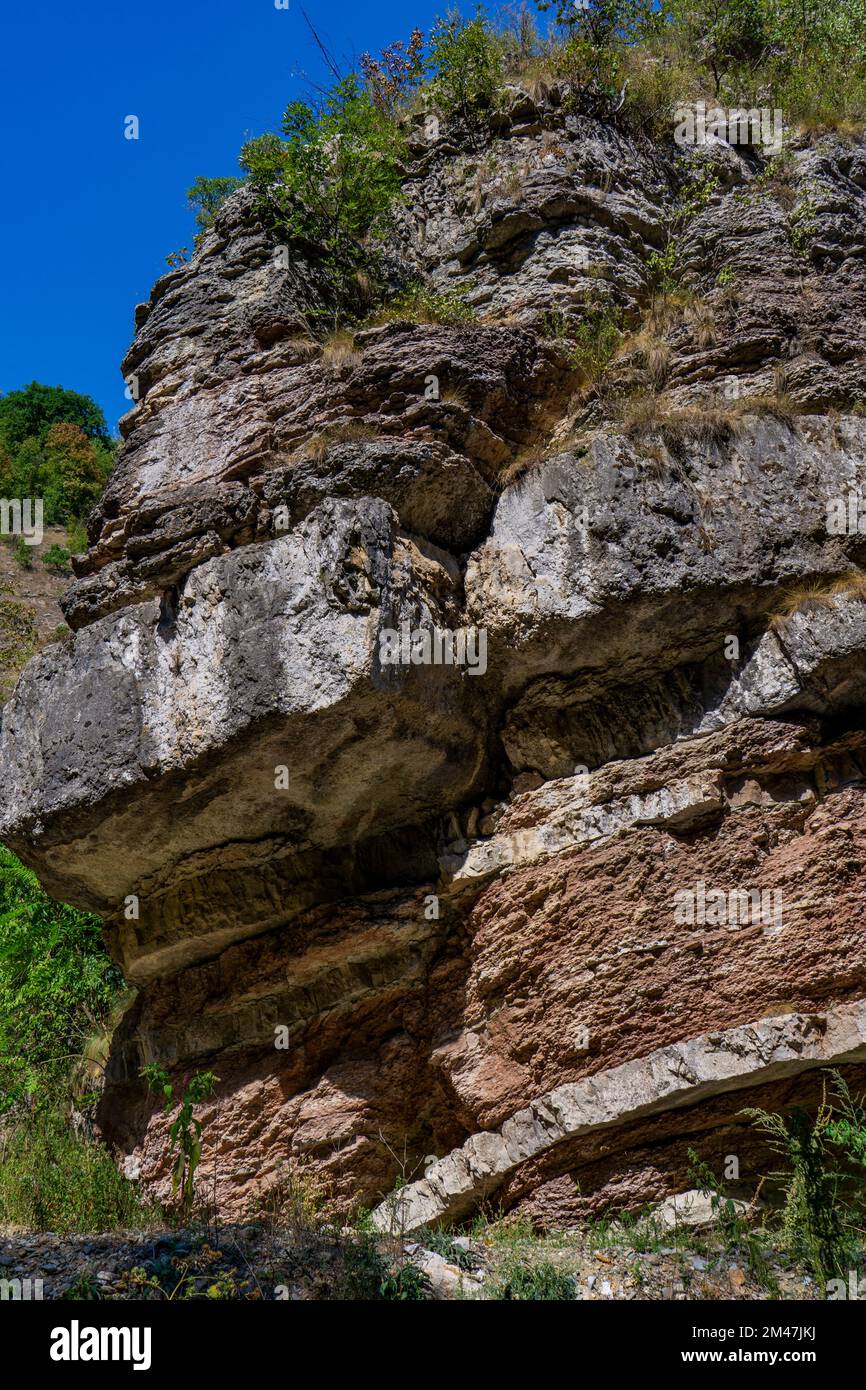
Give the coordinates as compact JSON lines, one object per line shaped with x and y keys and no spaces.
{"x":605,"y":544}
{"x":420,"y":866}
{"x":556,"y":208}
{"x":185,"y":712}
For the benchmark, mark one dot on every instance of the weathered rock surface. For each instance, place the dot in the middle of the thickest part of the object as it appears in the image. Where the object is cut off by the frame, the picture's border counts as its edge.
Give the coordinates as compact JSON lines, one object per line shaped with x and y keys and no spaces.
{"x":550,"y":913}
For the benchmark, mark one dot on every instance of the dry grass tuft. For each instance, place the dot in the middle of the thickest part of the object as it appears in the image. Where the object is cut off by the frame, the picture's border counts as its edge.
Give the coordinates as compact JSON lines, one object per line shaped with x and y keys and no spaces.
{"x":454,"y":394}
{"x":818,"y":593}
{"x":522,"y":464}
{"x":678,"y":429}
{"x":339,"y":349}
{"x":352,"y":432}
{"x":702,"y":321}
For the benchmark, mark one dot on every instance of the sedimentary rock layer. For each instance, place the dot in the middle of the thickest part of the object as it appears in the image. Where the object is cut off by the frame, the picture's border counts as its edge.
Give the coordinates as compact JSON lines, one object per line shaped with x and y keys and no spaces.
{"x":682,"y":1074}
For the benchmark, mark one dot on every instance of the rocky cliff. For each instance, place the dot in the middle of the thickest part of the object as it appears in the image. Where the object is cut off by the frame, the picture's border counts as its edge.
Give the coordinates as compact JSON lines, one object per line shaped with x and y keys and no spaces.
{"x":551,"y":913}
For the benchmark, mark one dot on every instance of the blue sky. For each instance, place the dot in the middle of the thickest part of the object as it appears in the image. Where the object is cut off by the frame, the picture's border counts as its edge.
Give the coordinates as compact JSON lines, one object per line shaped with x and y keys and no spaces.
{"x":89,"y":216}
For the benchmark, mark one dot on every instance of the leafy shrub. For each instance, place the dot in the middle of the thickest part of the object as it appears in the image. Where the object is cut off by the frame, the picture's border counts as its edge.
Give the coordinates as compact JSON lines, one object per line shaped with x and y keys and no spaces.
{"x":594,"y":342}
{"x":846,"y":1128}
{"x":406,"y":1283}
{"x":57,"y":984}
{"x":206,"y":197}
{"x":23,"y":554}
{"x":76,"y":537}
{"x":822,"y":1179}
{"x":367,"y":1275}
{"x":597,"y":37}
{"x":445,"y":1245}
{"x":466,"y":65}
{"x":186,"y":1129}
{"x":663,"y":267}
{"x":724,"y":37}
{"x":56,"y":558}
{"x":18,"y":642}
{"x":419,"y":304}
{"x":334,"y":178}
{"x":73,"y":474}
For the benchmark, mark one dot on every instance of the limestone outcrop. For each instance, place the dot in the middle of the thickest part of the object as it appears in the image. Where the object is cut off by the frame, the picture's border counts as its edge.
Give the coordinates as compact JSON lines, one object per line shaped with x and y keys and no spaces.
{"x":475,"y":777}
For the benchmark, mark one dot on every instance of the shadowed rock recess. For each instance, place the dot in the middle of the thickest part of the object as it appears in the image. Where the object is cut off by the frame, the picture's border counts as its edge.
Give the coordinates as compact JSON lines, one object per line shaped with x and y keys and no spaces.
{"x":553,"y":921}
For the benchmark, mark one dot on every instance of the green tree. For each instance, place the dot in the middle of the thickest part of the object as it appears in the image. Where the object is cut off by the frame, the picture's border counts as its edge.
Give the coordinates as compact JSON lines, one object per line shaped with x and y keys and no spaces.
{"x":723,"y":35}
{"x":74,"y":472}
{"x":604,"y":23}
{"x":809,"y":30}
{"x":185,"y":1131}
{"x":596,"y":36}
{"x":31,"y":411}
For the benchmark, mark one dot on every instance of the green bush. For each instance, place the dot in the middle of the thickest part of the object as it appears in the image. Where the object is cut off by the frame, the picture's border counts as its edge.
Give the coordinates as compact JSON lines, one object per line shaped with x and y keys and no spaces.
{"x":596,"y":39}
{"x":367,"y":1275}
{"x":57,"y":984}
{"x":206,"y":197}
{"x":594,"y":341}
{"x":23,"y":554}
{"x":445,"y":1245}
{"x":822,"y":1180}
{"x":76,"y":537}
{"x":419,"y":304}
{"x":56,"y":558}
{"x":18,"y":642}
{"x":723,"y":38}
{"x":64,"y":461}
{"x":536,"y":1282}
{"x":466,"y":67}
{"x":334,"y":178}
{"x":185,"y":1131}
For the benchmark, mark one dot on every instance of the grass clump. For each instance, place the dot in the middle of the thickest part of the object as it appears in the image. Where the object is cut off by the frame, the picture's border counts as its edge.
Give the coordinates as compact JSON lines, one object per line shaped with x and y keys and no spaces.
{"x":652,"y":416}
{"x":536,"y":1282}
{"x":817,"y":594}
{"x":59,"y":994}
{"x":420,"y":304}
{"x":441,"y":1243}
{"x":56,"y":558}
{"x":339,"y":349}
{"x":54,"y":1179}
{"x":351,"y":432}
{"x":18,"y":642}
{"x":594,"y":341}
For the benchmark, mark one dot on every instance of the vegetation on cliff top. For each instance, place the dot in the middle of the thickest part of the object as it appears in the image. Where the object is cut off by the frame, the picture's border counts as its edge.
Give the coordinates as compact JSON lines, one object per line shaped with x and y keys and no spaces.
{"x":334,"y":173}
